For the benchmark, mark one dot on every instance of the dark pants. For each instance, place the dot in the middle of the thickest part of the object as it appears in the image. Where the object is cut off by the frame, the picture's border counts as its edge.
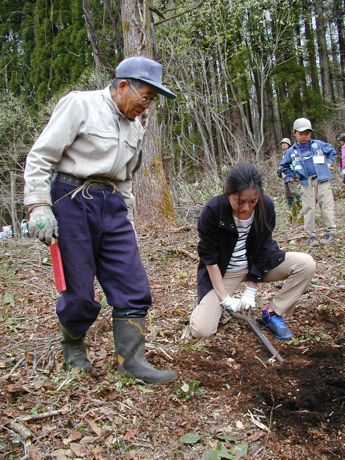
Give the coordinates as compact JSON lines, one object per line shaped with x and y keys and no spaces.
{"x":96,"y":239}
{"x":291,"y":198}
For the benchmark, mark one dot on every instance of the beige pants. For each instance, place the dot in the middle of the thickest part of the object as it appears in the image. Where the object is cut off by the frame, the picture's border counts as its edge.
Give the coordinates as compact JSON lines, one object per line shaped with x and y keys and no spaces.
{"x":321,"y":193}
{"x":297,"y":270}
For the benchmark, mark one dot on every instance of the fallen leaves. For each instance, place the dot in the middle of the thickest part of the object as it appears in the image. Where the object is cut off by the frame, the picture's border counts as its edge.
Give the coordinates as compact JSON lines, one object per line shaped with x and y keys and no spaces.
{"x":52,"y":413}
{"x":15,"y":389}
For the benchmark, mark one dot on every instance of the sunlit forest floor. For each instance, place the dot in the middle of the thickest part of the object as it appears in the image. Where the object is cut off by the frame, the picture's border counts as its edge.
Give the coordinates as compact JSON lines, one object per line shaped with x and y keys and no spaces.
{"x":230,"y":399}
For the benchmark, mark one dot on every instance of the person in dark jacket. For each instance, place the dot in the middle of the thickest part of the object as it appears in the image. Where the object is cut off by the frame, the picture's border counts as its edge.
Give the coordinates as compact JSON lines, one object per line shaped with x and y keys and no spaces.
{"x":235,"y":246}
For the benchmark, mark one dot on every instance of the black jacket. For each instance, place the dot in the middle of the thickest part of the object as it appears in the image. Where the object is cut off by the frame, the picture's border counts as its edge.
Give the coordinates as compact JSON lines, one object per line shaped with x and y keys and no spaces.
{"x":218,"y":236}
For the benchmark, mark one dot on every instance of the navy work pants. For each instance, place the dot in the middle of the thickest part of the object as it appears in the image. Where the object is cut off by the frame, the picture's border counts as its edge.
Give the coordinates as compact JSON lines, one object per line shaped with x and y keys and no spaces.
{"x":97,"y":239}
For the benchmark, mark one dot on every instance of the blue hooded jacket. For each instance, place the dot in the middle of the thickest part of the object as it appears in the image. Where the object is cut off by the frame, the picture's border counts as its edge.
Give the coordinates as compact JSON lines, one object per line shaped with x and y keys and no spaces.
{"x":292,"y":164}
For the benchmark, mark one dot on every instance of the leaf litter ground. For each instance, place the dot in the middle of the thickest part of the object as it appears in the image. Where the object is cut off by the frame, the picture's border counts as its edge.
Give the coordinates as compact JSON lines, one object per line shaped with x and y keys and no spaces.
{"x":229,"y":401}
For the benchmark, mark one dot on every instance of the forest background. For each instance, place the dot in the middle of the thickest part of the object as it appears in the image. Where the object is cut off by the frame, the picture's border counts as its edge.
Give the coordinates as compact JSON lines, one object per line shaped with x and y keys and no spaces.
{"x":242,"y":72}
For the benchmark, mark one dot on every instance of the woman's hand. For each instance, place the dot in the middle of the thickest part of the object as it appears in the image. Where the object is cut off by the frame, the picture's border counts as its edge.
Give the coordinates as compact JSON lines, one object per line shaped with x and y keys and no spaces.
{"x":248,"y":297}
{"x":231,"y":303}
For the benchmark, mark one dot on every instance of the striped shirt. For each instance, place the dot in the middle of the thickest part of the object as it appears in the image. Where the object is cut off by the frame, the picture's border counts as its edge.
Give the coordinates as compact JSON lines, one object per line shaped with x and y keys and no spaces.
{"x":238,"y":259}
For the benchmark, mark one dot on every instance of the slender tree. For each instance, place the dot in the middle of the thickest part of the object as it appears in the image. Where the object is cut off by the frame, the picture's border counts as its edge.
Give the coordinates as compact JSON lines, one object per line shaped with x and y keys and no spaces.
{"x":339,"y":14}
{"x":154,"y":202}
{"x":323,"y":51}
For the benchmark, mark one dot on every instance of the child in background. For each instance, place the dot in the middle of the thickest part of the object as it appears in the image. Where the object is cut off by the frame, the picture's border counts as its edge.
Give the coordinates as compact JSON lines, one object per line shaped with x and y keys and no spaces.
{"x":310,"y":161}
{"x":341,"y":139}
{"x":292,"y":189}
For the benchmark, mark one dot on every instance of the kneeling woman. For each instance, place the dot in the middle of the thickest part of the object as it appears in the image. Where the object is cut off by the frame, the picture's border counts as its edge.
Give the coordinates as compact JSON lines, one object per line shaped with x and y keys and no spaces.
{"x":236,"y":245}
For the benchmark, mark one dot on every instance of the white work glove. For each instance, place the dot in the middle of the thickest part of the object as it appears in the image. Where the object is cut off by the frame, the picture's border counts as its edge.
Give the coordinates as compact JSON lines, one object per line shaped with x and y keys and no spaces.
{"x":231,"y":303}
{"x":42,"y":224}
{"x":343,"y":172}
{"x":248,"y":297}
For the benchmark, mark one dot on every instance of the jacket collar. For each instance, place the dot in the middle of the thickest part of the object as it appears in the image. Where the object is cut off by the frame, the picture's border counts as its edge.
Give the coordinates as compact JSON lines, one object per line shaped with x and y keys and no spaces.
{"x":113,"y":107}
{"x":226,"y":219}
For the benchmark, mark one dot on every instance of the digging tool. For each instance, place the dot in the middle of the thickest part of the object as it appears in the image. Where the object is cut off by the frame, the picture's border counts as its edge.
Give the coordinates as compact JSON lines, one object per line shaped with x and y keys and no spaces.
{"x":245,"y":315}
{"x":58,"y":272}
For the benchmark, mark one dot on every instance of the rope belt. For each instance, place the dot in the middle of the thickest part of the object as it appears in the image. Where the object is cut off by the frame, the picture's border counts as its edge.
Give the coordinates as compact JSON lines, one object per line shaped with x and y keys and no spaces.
{"x":83,"y":185}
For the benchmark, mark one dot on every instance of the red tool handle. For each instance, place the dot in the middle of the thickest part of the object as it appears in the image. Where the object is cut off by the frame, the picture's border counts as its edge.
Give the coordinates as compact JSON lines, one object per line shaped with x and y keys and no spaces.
{"x":59,"y":276}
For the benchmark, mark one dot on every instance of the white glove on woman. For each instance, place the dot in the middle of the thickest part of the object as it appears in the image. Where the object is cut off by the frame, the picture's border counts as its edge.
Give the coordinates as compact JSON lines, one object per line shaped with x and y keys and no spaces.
{"x":248,"y":298}
{"x":42,"y":224}
{"x":231,"y":303}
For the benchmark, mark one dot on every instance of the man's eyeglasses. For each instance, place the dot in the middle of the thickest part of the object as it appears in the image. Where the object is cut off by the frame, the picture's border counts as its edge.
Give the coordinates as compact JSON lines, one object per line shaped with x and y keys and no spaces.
{"x":143,"y":100}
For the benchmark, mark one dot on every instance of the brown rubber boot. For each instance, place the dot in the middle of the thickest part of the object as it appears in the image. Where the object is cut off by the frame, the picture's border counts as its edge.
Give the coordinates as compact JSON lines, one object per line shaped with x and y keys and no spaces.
{"x":74,"y":350}
{"x":129,"y":340}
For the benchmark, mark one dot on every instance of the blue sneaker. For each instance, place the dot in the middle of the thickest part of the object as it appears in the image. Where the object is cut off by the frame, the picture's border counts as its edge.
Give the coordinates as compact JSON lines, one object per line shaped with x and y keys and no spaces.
{"x":312,"y":241}
{"x":328,"y":238}
{"x":276,"y":325}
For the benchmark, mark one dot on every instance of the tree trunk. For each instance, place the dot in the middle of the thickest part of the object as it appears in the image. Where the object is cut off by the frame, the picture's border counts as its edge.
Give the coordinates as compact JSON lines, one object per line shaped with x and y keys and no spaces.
{"x":154,"y":204}
{"x":98,"y":56}
{"x":13,"y":205}
{"x":310,"y":42}
{"x":272,"y":124}
{"x":334,"y":62}
{"x":323,"y":55}
{"x":339,"y":15}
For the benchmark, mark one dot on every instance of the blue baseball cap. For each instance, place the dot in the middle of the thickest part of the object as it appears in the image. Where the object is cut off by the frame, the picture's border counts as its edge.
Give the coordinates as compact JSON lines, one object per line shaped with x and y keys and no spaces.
{"x":146,"y":70}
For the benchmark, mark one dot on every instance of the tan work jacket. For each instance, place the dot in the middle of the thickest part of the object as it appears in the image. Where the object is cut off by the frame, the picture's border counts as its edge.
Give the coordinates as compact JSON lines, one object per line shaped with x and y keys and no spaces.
{"x":86,"y":136}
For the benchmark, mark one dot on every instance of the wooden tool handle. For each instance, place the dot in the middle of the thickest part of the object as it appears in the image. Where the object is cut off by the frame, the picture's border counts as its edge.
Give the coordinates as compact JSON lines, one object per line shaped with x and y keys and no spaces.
{"x":59,"y":276}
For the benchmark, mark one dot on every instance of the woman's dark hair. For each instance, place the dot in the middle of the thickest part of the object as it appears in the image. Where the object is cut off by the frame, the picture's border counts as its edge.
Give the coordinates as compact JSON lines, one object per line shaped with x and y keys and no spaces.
{"x":241,"y":177}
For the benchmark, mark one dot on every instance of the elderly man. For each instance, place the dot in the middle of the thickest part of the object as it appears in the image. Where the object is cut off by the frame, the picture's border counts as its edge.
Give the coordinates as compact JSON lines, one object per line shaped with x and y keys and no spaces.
{"x":78,"y":187}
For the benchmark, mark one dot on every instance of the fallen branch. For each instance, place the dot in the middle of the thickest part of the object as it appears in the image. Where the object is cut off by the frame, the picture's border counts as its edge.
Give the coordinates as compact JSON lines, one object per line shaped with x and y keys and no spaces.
{"x":185,"y":228}
{"x":52,"y":413}
{"x":14,"y":368}
{"x":255,"y":419}
{"x":140,"y":443}
{"x":20,"y":429}
{"x":256,"y":357}
{"x":67,"y":381}
{"x":165,"y":353}
{"x":295,"y":237}
{"x":183,"y":251}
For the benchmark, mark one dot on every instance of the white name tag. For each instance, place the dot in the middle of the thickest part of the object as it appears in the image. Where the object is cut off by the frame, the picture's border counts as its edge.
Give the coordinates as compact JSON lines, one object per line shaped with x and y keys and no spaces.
{"x":319,"y":159}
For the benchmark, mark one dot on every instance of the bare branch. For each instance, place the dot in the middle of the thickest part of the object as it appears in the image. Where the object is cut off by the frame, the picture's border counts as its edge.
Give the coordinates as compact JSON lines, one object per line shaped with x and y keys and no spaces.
{"x":180,"y":14}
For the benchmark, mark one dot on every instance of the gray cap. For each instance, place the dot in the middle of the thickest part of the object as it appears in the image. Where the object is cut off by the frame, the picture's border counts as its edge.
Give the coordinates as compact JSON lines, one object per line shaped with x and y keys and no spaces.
{"x":341,"y":137}
{"x":302,"y":124}
{"x":146,"y":70}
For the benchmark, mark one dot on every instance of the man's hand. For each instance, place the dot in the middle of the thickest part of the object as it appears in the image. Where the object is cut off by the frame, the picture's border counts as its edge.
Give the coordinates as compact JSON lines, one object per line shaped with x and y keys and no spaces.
{"x":42,"y":224}
{"x":231,"y":303}
{"x":343,"y":172}
{"x":248,"y":297}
